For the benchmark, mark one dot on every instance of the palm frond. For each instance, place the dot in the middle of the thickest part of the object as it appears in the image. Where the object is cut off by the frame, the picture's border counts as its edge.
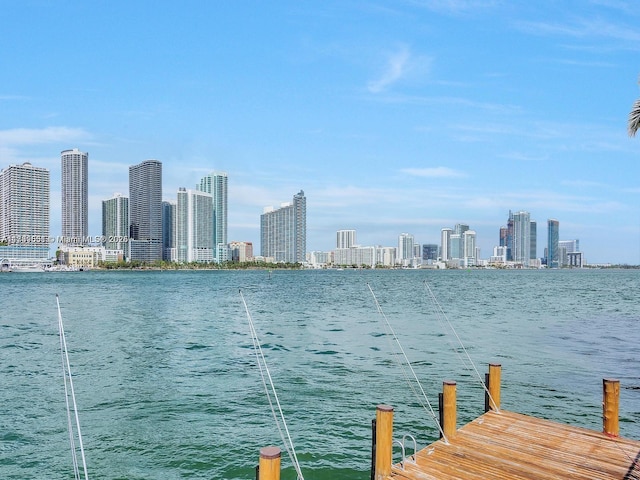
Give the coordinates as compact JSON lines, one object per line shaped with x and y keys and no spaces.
{"x":634,"y":119}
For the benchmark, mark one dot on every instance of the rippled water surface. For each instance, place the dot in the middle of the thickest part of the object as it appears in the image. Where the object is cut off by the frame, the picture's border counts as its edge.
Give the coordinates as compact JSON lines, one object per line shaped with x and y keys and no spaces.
{"x":167,"y":383}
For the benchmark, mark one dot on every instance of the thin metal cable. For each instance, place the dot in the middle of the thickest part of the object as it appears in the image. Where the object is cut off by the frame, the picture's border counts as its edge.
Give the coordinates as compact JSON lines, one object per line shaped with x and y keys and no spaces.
{"x":453,"y":330}
{"x":264,"y":369}
{"x":74,"y":457}
{"x":67,"y":376}
{"x":428,"y":406}
{"x":437,"y":312}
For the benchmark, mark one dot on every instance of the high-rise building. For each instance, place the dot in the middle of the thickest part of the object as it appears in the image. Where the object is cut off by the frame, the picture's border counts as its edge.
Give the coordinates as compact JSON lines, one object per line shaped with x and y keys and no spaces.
{"x":430,"y":252}
{"x":459,"y":229}
{"x":283,"y":231}
{"x":553,"y":237}
{"x":345,"y":238}
{"x":386,"y":256}
{"x":216,"y":185}
{"x":194,"y":223}
{"x":169,"y":253}
{"x":503,"y":235}
{"x":115,"y":222}
{"x":75,"y":196}
{"x":521,"y":246}
{"x":533,"y":229}
{"x":24,"y":214}
{"x":509,"y":237}
{"x":445,"y":244}
{"x":145,"y":211}
{"x":406,"y":242}
{"x":469,"y":248}
{"x":565,"y":250}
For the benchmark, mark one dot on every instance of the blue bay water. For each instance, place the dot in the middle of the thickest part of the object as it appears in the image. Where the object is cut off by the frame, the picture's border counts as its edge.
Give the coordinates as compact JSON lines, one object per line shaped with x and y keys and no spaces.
{"x":168,"y":387}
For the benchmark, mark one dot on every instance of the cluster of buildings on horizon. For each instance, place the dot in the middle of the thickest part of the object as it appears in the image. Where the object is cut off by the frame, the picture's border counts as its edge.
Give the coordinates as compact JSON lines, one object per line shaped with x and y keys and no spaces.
{"x":140,"y":227}
{"x":517,"y":249}
{"x":193,"y":228}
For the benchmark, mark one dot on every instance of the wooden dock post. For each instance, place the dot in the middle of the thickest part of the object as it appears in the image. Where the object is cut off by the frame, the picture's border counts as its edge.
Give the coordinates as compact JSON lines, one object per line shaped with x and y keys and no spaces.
{"x":493,"y":400}
{"x":610,"y":406}
{"x":269,"y":467}
{"x":449,"y":408}
{"x":384,"y":441}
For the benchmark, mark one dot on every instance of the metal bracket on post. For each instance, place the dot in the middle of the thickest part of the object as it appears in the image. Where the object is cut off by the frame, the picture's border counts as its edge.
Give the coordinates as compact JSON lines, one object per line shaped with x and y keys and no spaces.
{"x":373,"y":449}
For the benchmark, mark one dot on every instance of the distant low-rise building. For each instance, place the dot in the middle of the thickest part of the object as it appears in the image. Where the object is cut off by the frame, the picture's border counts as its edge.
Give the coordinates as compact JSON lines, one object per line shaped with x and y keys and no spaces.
{"x":85,"y":256}
{"x":241,"y":251}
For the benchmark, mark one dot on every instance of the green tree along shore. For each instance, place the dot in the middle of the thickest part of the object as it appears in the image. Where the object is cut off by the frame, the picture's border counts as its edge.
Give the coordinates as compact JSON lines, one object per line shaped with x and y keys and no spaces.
{"x":164,"y":265}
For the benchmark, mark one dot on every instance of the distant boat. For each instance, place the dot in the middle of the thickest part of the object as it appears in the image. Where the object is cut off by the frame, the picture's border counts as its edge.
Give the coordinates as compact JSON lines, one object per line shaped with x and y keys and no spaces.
{"x":27,"y":268}
{"x":63,"y":268}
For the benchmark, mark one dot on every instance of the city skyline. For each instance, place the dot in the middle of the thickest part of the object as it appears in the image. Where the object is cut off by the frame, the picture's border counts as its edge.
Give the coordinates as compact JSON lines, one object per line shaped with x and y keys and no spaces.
{"x":519,"y":237}
{"x":423,"y":116}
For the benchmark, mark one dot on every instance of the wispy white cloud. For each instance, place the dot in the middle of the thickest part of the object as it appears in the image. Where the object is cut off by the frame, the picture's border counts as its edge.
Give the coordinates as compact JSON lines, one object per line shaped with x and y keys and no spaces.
{"x":351,"y":195}
{"x":103,"y":166}
{"x":433,"y":172}
{"x":33,"y":136}
{"x":583,"y":184}
{"x":455,"y":6}
{"x":448,"y":100}
{"x":623,"y":6}
{"x":524,"y":157}
{"x":576,"y":63}
{"x":256,"y":196}
{"x":582,"y":28}
{"x":12,"y":97}
{"x":396,"y":69}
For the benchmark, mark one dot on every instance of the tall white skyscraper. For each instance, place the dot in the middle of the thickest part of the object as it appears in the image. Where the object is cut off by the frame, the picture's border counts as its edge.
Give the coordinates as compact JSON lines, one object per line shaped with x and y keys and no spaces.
{"x":283,"y":231}
{"x":216,"y":184}
{"x":459,"y":229}
{"x":145,"y":211}
{"x":445,"y":244}
{"x":469,"y":248}
{"x":405,"y":248}
{"x":115,"y":222}
{"x":345,"y":238}
{"x":24,"y":213}
{"x":75,"y":197}
{"x":194,"y":225}
{"x":521,"y":238}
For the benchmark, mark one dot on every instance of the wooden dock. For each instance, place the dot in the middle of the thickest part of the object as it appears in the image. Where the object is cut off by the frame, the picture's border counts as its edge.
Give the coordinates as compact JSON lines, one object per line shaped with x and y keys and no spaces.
{"x":502,"y":445}
{"x":499,"y":445}
{"x":512,"y":446}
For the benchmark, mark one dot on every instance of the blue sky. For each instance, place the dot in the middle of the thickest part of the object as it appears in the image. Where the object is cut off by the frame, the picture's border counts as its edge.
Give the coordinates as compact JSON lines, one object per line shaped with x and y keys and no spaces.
{"x":392,"y":116}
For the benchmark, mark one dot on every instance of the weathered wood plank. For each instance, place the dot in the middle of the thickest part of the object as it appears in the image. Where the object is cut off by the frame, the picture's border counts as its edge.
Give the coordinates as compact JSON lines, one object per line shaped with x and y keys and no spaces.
{"x":511,"y":446}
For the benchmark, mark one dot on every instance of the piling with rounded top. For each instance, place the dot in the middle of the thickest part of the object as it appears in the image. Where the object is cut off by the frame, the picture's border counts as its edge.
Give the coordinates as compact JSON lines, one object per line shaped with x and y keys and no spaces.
{"x":449,"y":408}
{"x":610,"y":406}
{"x":269,"y":467}
{"x":495,"y":373}
{"x":384,"y":441}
